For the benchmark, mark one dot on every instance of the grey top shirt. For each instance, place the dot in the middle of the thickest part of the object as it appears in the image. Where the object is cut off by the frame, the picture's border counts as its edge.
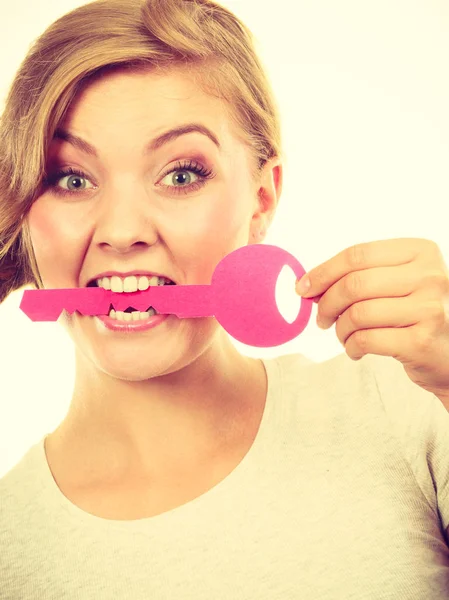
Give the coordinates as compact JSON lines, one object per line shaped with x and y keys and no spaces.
{"x":344,"y":494}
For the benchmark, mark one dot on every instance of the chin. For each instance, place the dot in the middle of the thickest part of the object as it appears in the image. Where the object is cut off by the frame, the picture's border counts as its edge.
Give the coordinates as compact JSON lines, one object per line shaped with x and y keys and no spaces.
{"x":140,"y":359}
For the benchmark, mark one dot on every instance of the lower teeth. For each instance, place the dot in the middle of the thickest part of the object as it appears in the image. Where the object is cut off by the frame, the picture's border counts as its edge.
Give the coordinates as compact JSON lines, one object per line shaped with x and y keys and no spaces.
{"x":133,"y":316}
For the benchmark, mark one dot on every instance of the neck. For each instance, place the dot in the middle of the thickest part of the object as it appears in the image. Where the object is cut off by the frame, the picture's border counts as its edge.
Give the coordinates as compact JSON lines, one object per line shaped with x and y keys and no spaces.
{"x":117,"y":426}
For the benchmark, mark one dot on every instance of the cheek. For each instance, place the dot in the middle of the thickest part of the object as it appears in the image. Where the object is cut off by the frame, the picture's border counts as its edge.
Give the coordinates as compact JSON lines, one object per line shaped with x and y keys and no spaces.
{"x":51,"y":243}
{"x":220,"y":222}
{"x":211,"y":233}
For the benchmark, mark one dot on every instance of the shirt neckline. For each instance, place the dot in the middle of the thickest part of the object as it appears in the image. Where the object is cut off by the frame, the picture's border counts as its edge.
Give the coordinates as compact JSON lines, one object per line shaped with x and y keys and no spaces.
{"x":232,"y":481}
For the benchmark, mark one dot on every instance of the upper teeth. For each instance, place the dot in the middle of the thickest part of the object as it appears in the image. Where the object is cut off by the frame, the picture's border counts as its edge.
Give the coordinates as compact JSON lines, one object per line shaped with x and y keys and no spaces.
{"x":130,"y":284}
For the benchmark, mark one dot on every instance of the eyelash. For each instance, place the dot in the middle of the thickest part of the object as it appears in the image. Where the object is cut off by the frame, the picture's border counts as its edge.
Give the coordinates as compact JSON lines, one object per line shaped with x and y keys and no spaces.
{"x":203,"y":173}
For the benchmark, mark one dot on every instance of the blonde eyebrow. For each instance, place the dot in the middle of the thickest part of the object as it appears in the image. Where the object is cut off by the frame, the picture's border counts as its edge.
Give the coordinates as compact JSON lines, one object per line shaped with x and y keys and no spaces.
{"x":152,"y":146}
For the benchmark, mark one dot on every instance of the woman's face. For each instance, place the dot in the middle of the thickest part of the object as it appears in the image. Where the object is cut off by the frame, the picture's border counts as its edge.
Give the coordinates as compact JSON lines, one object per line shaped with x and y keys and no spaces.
{"x":175,"y":209}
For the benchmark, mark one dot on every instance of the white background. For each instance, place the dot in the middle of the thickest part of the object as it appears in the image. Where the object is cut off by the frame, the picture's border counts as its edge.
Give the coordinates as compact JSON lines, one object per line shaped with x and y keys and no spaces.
{"x":363,"y":89}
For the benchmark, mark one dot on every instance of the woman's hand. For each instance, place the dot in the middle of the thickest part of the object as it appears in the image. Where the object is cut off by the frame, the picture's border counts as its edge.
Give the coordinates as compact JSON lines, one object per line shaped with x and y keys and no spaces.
{"x":390,"y":298}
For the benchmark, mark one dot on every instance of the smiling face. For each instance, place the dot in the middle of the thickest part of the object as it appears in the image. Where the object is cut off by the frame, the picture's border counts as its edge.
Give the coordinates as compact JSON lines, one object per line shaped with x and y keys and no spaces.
{"x":175,"y":207}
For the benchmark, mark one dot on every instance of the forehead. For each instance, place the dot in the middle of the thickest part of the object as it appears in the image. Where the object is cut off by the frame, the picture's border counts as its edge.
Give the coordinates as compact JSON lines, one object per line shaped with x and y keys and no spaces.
{"x":149,"y":102}
{"x":140,"y":86}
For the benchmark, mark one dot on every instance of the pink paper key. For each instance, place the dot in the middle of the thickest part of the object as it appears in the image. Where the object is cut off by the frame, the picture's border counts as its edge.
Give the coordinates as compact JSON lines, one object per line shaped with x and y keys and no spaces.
{"x":241,"y":296}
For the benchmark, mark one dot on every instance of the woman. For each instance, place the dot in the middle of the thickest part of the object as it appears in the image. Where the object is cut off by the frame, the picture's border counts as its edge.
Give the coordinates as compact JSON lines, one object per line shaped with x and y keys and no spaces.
{"x":183,"y":468}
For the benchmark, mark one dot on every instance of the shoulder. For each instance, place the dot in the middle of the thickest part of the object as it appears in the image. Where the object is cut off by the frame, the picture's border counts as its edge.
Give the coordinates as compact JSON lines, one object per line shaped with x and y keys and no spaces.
{"x":374,"y":384}
{"x":20,"y":484}
{"x":386,"y":371}
{"x":301,"y":368}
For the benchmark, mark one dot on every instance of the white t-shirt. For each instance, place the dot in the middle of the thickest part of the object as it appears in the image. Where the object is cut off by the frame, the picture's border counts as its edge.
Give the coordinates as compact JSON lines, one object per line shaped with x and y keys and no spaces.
{"x":344,"y":495}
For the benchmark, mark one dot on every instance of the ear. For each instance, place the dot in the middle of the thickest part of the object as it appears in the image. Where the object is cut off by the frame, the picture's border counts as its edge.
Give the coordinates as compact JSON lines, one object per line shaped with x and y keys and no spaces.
{"x":268,"y":194}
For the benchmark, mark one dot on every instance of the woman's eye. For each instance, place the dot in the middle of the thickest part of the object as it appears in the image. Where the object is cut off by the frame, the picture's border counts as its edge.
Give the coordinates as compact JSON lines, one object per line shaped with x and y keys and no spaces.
{"x":185,"y":177}
{"x":180,"y":178}
{"x":75,"y":182}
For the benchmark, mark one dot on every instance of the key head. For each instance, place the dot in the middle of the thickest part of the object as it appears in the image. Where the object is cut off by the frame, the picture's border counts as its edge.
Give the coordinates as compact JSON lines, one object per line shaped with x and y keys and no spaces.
{"x":244,"y":288}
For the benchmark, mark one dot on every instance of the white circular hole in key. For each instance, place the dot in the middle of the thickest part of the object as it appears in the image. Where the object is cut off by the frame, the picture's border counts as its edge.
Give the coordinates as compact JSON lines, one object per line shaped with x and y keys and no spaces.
{"x":287,"y":300}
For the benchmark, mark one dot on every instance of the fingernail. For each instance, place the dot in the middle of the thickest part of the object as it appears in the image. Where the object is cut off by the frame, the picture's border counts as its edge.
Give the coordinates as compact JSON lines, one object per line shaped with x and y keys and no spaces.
{"x":303,"y":285}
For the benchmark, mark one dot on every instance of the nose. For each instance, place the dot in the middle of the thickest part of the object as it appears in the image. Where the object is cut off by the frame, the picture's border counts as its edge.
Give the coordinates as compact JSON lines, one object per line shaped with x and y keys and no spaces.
{"x":126,"y":218}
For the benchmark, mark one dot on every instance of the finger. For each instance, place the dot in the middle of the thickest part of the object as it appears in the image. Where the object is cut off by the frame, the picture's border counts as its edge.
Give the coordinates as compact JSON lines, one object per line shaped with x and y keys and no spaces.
{"x":384,"y":282}
{"x":384,"y":253}
{"x":393,"y":313}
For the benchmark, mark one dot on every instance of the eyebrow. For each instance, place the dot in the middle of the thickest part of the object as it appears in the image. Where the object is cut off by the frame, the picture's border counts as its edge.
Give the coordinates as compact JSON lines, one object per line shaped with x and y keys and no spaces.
{"x":152,"y":146}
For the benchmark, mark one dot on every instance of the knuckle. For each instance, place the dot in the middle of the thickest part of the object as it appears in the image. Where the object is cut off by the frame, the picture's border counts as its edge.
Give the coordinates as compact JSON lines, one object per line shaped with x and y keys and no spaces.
{"x":424,"y":339}
{"x":357,"y":255}
{"x":353,"y":286}
{"x":437,"y":313}
{"x":429,"y":312}
{"x":361,"y":339}
{"x":432,"y":313}
{"x":437,"y":279}
{"x":358,"y":314}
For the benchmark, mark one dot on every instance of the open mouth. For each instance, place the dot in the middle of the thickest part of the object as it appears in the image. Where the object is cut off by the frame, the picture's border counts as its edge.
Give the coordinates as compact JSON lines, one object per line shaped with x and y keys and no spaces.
{"x":150,"y":311}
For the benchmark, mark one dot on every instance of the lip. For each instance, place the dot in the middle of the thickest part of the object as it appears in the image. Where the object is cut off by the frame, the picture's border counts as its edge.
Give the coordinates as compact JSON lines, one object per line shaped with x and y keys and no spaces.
{"x":131,"y":326}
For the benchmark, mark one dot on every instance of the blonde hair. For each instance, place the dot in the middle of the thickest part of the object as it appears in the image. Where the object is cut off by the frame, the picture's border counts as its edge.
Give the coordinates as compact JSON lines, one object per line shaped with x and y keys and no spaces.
{"x":101,"y":37}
